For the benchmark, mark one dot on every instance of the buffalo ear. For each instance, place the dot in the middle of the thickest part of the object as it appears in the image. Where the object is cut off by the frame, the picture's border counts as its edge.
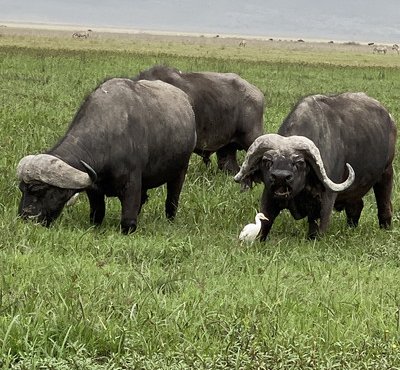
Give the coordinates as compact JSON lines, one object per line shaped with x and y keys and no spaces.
{"x":91,"y":172}
{"x":248,"y":182}
{"x":256,"y":176}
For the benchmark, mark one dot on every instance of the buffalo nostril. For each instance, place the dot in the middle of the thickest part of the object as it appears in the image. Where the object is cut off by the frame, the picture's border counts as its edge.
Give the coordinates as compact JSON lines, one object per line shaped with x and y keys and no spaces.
{"x":29,"y":212}
{"x":281,"y":177}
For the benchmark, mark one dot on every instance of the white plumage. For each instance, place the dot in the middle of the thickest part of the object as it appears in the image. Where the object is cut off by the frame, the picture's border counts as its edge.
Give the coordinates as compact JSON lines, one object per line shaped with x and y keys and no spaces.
{"x":251,"y":231}
{"x":72,"y":200}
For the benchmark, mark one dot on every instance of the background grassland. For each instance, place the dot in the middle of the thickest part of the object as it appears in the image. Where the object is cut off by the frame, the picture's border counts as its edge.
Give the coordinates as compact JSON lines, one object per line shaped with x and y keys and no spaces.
{"x":187,"y":295}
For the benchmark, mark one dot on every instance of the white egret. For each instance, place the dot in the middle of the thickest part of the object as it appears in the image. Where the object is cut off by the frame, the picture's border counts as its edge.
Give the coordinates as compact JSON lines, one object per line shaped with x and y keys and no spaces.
{"x":251,"y":231}
{"x":72,"y":200}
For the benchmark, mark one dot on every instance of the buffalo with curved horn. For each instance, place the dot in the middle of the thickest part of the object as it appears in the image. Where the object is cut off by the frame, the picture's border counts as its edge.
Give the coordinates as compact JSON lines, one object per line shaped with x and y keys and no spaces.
{"x":329,"y":152}
{"x":126,"y":138}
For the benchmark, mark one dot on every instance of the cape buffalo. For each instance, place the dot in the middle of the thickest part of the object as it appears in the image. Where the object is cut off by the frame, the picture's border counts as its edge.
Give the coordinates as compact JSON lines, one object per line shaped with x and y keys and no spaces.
{"x":320,"y":142}
{"x":127,"y":137}
{"x":228,"y":110}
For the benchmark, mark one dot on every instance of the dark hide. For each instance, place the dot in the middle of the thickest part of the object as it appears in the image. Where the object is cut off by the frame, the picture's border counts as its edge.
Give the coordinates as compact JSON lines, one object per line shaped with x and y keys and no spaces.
{"x":135,"y":136}
{"x":228,"y":110}
{"x":350,"y":127}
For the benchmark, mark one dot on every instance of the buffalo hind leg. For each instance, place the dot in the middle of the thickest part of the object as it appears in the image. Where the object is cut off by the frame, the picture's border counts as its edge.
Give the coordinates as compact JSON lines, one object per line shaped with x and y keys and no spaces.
{"x":206,"y":158}
{"x":143,"y":199}
{"x":131,"y":202}
{"x":97,"y":207}
{"x":174,"y":188}
{"x":353,"y":212}
{"x":383,"y":194}
{"x":227,"y":158}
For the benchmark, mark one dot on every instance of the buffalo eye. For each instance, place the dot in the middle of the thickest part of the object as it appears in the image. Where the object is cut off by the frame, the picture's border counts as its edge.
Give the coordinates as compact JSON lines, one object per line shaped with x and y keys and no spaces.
{"x":299,"y":163}
{"x":36,"y":189}
{"x":267,"y":162}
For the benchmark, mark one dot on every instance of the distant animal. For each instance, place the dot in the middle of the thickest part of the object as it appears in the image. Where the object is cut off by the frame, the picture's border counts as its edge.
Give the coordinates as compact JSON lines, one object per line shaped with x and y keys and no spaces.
{"x":251,"y":231}
{"x":127,"y":137}
{"x":243,"y":43}
{"x":371,"y":43}
{"x":228,"y":110}
{"x":307,"y":167}
{"x":81,"y":35}
{"x":396,"y":48}
{"x":379,"y":50}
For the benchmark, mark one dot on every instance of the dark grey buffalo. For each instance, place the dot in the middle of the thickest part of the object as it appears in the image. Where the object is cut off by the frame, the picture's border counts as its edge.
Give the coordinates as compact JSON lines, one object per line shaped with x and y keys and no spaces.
{"x":308,"y":166}
{"x":228,"y":110}
{"x":126,"y":138}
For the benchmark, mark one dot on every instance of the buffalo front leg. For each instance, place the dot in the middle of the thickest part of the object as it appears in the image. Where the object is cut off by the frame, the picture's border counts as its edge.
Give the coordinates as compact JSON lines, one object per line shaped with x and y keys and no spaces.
{"x":131,"y":202}
{"x":205,"y":154}
{"x":227,"y":159}
{"x":383,"y":195}
{"x":174,"y":188}
{"x":97,"y":206}
{"x":271,"y":211}
{"x":327,"y":203}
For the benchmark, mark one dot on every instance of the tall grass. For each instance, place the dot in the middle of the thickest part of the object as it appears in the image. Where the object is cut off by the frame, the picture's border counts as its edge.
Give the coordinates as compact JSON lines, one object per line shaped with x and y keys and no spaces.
{"x":187,"y":295}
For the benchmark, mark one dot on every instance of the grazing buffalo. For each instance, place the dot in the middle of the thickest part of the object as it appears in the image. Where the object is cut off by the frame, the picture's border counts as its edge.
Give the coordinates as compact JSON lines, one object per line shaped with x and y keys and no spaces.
{"x":228,"y":110}
{"x":318,"y":145}
{"x":126,"y":138}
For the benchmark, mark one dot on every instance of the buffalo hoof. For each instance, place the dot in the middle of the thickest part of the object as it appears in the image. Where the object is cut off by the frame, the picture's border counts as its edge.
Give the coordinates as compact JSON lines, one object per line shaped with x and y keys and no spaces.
{"x":128,"y":228}
{"x":385,"y":224}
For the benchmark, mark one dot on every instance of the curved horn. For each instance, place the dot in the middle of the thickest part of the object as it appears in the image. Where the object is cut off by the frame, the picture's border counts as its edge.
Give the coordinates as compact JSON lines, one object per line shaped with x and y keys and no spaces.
{"x":53,"y":171}
{"x":306,"y":145}
{"x":302,"y":143}
{"x":91,"y":172}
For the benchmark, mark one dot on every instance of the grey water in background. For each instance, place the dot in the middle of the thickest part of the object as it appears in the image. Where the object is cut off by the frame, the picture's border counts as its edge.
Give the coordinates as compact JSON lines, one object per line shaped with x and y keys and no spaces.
{"x":346,"y":20}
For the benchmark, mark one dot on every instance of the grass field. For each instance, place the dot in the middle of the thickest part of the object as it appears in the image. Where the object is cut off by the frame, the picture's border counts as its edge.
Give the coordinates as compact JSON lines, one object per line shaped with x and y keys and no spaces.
{"x":187,"y":295}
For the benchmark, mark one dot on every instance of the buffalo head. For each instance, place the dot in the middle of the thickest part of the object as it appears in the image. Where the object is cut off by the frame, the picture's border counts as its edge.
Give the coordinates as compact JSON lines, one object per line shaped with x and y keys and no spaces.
{"x":283,"y":164}
{"x":47,"y":183}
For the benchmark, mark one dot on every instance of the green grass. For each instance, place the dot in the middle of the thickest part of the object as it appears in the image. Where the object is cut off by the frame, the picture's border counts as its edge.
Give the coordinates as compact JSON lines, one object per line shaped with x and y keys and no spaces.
{"x":187,"y":295}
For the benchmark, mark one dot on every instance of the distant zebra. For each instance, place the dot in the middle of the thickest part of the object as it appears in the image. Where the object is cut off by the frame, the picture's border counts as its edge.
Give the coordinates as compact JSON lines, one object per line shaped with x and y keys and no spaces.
{"x":396,"y":47}
{"x":380,"y":50}
{"x":242,"y":43}
{"x":81,"y":35}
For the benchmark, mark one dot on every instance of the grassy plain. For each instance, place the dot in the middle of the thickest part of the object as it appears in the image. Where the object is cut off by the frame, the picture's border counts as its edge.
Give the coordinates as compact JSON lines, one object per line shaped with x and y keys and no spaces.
{"x":187,"y":295}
